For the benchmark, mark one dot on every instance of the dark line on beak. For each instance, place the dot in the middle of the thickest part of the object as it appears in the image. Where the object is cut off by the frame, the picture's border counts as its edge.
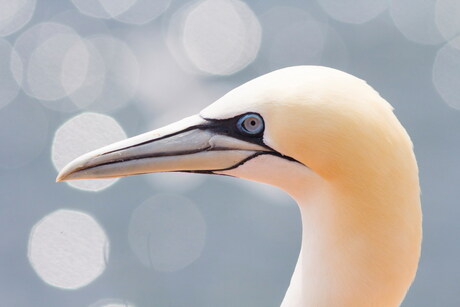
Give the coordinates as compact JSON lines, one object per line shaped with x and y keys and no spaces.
{"x":177,"y":154}
{"x":220,"y":126}
{"x":258,"y":153}
{"x":157,"y":139}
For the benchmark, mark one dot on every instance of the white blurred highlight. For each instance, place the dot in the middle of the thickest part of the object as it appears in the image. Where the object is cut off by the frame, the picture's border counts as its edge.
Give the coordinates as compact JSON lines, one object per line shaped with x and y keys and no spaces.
{"x":102,"y":8}
{"x":83,"y":74}
{"x":81,"y":134}
{"x":446,"y":73}
{"x":84,"y":25}
{"x":112,"y":303}
{"x":354,"y":11}
{"x":219,"y":37}
{"x":15,"y":14}
{"x":45,"y":67}
{"x":42,"y":49}
{"x":137,"y":12}
{"x":166,"y":92}
{"x":167,"y":232}
{"x":447,"y":16}
{"x":117,"y":7}
{"x":121,"y":73}
{"x":143,"y":11}
{"x":68,"y":72}
{"x":74,"y":67}
{"x":10,"y":73}
{"x":68,"y":249}
{"x":416,"y":20}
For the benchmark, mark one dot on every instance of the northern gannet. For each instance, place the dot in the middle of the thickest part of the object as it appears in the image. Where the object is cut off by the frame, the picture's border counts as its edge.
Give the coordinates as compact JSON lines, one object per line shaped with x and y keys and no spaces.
{"x":331,"y":142}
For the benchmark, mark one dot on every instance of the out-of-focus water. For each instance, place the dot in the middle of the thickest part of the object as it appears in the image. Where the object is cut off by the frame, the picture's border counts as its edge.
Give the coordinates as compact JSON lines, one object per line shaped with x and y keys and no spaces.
{"x":78,"y":74}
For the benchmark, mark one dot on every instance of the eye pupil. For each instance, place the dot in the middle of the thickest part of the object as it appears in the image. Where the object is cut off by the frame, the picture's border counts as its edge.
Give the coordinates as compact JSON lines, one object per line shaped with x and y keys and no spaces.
{"x":251,"y":124}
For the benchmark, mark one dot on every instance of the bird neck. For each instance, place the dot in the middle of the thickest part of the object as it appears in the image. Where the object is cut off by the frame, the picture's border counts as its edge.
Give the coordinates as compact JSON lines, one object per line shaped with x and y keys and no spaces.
{"x":361,"y":232}
{"x":360,"y":243}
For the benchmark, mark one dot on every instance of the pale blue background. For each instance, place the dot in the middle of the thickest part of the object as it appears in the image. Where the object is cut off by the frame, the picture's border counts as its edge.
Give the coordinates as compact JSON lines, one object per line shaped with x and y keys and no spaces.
{"x":251,"y":241}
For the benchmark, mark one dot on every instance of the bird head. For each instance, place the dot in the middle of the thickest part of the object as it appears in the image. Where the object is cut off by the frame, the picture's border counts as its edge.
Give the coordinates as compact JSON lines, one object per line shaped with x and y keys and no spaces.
{"x":303,"y":129}
{"x":297,"y":121}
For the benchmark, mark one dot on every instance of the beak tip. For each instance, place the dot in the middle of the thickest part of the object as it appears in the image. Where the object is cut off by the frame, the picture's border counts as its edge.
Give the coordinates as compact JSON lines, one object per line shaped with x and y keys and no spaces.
{"x":67,"y":173}
{"x":61,"y":177}
{"x":72,"y":170}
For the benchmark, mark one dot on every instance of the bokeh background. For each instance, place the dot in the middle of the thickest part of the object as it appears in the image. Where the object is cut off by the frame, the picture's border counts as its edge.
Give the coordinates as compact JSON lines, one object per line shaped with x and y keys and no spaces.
{"x":78,"y":74}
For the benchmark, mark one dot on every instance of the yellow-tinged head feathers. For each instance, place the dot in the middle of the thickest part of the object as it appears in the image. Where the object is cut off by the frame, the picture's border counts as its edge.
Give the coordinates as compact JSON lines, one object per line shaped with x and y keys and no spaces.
{"x":329,"y":120}
{"x":356,"y":183}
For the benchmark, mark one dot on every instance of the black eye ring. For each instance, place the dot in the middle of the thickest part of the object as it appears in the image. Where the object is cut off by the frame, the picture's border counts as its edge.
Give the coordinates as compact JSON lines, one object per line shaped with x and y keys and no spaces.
{"x":251,"y":124}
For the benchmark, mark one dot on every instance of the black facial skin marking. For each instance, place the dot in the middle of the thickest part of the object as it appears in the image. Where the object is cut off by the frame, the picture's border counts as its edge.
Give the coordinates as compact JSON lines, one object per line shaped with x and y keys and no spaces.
{"x":260,"y":153}
{"x":227,"y":127}
{"x":219,"y":126}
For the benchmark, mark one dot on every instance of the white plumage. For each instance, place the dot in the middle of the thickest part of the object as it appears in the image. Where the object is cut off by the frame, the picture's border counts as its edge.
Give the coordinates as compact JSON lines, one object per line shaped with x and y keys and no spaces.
{"x":331,"y":142}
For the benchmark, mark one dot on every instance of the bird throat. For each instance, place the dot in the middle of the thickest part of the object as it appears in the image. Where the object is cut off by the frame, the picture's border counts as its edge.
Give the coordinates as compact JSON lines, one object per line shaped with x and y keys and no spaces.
{"x":360,"y":236}
{"x":355,"y":252}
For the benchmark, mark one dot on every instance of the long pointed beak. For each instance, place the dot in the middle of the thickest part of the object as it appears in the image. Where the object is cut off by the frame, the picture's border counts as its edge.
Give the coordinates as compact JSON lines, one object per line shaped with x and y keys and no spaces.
{"x":193,"y":144}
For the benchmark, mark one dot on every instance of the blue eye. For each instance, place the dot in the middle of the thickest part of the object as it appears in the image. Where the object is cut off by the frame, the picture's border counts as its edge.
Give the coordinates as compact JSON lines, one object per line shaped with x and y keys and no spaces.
{"x":251,"y":124}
